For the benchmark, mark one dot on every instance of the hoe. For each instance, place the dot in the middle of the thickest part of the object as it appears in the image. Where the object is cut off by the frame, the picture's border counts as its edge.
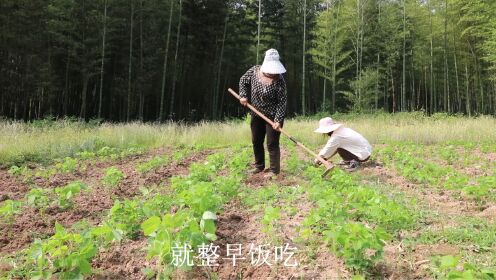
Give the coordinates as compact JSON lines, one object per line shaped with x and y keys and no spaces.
{"x":329,"y":166}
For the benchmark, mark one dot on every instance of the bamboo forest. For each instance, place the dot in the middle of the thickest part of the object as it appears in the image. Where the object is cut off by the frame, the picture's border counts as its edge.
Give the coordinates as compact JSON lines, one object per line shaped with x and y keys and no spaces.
{"x":174,"y":59}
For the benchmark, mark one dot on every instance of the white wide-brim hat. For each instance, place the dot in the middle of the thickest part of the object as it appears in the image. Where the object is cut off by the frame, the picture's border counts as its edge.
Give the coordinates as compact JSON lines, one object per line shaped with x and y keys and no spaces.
{"x":327,"y":125}
{"x":271,"y":64}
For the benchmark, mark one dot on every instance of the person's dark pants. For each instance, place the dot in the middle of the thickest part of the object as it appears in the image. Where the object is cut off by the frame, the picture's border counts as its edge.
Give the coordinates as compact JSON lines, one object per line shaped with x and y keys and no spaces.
{"x":348,"y":156}
{"x":259,"y":128}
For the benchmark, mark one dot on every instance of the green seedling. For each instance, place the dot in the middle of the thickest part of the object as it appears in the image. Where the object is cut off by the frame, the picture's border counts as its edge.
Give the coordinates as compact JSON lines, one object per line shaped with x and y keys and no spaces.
{"x":447,"y":267}
{"x":65,"y":194}
{"x":46,"y":173}
{"x":269,"y":221}
{"x":152,"y":164}
{"x":106,"y":152}
{"x":113,"y":176}
{"x":17,"y":171}
{"x":39,"y":198}
{"x":8,"y":209}
{"x":68,"y":165}
{"x":131,"y":151}
{"x":360,"y":246}
{"x":63,"y":256}
{"x":158,"y":205}
{"x":86,"y":155}
{"x":23,"y":173}
{"x":201,"y":197}
{"x":180,"y":154}
{"x":171,"y":230}
{"x":126,"y":216}
{"x":107,"y":233}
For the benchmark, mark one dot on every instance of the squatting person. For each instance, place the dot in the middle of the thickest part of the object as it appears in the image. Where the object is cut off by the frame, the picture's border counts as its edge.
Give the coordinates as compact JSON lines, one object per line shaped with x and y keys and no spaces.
{"x":264,"y":87}
{"x":349,"y":144}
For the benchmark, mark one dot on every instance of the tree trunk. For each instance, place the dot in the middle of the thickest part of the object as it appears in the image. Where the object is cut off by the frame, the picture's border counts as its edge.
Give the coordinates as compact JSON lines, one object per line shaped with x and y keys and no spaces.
{"x":467,"y":96}
{"x":386,"y":92}
{"x":2,"y":107}
{"x":394,"y":95}
{"x":324,"y":91}
{"x":412,"y":72}
{"x":445,"y":84}
{"x":458,"y":98}
{"x":403,"y":83}
{"x":481,"y":89}
{"x":102,"y":66}
{"x":219,"y":69}
{"x":303,"y":105}
{"x":30,"y":107}
{"x":221,"y":112}
{"x":141,"y":95}
{"x":494,"y":98}
{"x":334,"y":60}
{"x":130,"y":72}
{"x":426,"y":90}
{"x":377,"y":67}
{"x":66,"y":87}
{"x":173,"y":92}
{"x":477,"y":77}
{"x":432,"y":93}
{"x":258,"y":26}
{"x":322,"y":108}
{"x":82,"y":112}
{"x":360,"y":61}
{"x":40,"y":102}
{"x":164,"y":72}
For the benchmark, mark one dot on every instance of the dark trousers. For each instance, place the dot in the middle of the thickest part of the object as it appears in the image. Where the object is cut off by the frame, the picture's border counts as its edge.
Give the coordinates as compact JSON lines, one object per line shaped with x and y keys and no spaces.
{"x":347,"y":156}
{"x":259,"y":128}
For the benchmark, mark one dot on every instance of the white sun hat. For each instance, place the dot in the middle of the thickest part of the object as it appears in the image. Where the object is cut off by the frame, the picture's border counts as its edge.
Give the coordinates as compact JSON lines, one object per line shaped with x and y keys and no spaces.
{"x":271,"y":64}
{"x":327,"y":125}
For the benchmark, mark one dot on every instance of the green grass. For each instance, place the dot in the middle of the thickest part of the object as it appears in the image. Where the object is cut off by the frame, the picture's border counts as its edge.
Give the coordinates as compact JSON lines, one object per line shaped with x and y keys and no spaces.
{"x":410,"y":127}
{"x":47,"y":140}
{"x":469,"y":231}
{"x":21,"y":142}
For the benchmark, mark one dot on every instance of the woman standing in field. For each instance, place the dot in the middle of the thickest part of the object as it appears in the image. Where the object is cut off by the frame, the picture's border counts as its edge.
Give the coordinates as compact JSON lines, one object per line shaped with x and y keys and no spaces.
{"x":264,"y":87}
{"x":349,"y":144}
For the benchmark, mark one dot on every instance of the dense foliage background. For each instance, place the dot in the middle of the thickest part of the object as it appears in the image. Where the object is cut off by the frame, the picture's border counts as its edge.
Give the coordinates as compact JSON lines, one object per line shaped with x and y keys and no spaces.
{"x":173,"y":59}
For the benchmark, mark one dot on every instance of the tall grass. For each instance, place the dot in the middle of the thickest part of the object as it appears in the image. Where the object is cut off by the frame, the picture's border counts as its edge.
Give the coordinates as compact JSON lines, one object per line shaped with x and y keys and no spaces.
{"x":410,"y":127}
{"x":42,"y":142}
{"x":20,"y":142}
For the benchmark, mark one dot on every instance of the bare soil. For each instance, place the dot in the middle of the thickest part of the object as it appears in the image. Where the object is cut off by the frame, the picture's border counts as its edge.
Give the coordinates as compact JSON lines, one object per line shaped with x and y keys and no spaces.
{"x":442,"y":202}
{"x":413,"y":263}
{"x":238,"y":225}
{"x":10,"y":187}
{"x":122,"y":261}
{"x":318,"y":263}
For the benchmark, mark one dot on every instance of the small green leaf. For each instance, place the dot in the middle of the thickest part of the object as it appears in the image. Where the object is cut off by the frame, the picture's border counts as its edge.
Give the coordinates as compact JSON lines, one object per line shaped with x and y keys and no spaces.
{"x":151,"y":225}
{"x":448,"y":262}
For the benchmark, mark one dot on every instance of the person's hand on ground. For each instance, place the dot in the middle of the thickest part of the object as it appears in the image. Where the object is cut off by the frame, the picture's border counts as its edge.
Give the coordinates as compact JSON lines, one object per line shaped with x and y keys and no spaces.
{"x":317,"y":162}
{"x":276,"y":126}
{"x":243,"y":101}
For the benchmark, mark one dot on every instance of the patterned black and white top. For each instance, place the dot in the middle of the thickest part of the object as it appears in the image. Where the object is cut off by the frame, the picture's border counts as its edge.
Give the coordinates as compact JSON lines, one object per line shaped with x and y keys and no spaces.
{"x":270,"y":100}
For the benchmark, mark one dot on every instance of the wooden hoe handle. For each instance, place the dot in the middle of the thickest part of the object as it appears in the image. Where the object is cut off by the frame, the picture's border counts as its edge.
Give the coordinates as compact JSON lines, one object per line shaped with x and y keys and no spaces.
{"x":327,"y":164}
